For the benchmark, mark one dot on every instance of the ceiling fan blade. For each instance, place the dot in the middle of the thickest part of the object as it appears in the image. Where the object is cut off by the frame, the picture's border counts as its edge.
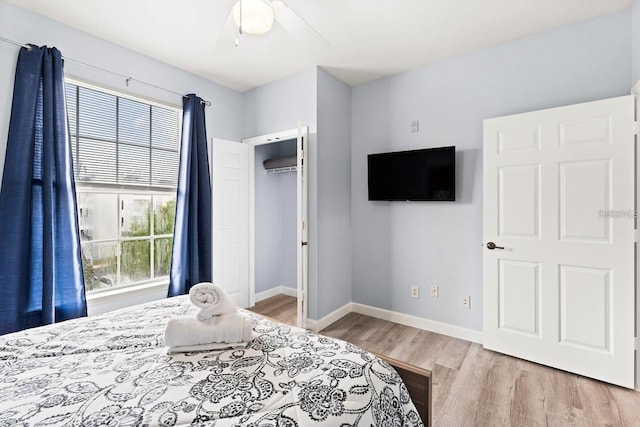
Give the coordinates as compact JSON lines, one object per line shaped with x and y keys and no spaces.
{"x":226,"y":41}
{"x":297,"y":26}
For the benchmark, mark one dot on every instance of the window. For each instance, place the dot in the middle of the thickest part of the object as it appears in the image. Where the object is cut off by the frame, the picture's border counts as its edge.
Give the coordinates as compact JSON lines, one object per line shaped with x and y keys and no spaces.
{"x":125,"y":157}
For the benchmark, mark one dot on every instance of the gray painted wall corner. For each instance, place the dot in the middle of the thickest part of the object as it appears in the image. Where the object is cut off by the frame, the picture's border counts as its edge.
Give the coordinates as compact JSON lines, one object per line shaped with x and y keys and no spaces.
{"x":334,"y":193}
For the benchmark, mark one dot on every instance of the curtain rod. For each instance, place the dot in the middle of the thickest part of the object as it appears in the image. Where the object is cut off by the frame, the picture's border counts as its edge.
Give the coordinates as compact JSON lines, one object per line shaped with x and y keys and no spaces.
{"x":26,"y":46}
{"x":127,"y":78}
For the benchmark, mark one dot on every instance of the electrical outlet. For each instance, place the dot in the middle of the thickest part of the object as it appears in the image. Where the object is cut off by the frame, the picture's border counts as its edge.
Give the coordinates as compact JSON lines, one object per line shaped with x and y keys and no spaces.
{"x":415,"y":292}
{"x":435,"y":291}
{"x":415,"y":126}
{"x":465,"y":302}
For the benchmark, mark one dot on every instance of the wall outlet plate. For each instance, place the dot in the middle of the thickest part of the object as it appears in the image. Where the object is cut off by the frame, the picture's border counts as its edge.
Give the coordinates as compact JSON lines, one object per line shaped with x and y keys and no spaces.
{"x":435,"y":291}
{"x":415,"y":292}
{"x":465,"y":302}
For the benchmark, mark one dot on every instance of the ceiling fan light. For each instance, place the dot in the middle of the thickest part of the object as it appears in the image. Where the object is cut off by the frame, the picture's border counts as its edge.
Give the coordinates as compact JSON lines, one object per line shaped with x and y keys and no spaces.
{"x":257,"y":16}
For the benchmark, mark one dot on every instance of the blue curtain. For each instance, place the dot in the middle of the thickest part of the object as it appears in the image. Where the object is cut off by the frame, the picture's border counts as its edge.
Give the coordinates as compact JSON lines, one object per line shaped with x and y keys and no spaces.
{"x":191,"y":258}
{"x":40,"y":260}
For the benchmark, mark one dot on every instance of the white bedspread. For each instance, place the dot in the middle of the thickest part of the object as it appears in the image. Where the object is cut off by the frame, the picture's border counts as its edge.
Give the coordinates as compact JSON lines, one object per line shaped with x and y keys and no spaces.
{"x":113,"y":370}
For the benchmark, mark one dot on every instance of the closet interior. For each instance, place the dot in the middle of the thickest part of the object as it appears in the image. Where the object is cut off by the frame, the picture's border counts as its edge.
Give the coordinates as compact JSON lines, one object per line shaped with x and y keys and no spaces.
{"x":275,"y":219}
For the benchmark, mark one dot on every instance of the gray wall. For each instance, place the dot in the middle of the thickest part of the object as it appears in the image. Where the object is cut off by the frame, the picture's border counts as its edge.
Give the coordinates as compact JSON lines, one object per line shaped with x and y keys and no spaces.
{"x":334,"y":194}
{"x":224,"y":118}
{"x":397,"y":245}
{"x":288,"y":231}
{"x":317,"y":99}
{"x":267,"y":222}
{"x":635,"y":42}
{"x":280,"y":106}
{"x":275,"y":220}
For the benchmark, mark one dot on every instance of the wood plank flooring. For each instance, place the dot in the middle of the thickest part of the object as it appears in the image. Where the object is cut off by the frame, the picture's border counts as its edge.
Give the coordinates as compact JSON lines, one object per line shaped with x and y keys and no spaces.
{"x":280,"y":307}
{"x":477,"y":387}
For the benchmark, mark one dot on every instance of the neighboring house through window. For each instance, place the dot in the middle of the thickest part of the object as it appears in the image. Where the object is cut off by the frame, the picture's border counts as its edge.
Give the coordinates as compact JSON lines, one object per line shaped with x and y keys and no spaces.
{"x":125,"y":157}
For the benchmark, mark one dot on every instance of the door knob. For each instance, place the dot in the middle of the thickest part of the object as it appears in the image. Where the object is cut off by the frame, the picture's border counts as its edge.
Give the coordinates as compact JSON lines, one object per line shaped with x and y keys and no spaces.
{"x":492,"y":246}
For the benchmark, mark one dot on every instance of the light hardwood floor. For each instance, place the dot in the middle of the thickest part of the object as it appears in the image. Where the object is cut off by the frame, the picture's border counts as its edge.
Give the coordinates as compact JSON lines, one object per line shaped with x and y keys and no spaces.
{"x":477,"y":387}
{"x":280,"y":307}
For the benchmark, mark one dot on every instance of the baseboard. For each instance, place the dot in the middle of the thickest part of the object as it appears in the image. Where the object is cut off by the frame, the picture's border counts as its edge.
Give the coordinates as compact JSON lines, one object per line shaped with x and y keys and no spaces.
{"x":292,"y":292}
{"x":419,"y":322}
{"x":312,"y":325}
{"x":276,"y":290}
{"x":334,"y":316}
{"x":393,"y":316}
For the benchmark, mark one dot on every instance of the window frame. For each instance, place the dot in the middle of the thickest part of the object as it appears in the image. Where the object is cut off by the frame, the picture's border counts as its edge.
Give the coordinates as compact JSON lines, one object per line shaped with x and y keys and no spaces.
{"x":128,"y":189}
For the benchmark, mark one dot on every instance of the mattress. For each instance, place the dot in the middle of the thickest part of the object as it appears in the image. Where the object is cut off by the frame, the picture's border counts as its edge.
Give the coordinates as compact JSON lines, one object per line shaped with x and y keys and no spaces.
{"x":113,"y":370}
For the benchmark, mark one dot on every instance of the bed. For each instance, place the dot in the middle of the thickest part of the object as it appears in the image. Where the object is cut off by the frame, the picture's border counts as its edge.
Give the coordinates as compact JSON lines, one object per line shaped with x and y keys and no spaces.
{"x":113,"y":370}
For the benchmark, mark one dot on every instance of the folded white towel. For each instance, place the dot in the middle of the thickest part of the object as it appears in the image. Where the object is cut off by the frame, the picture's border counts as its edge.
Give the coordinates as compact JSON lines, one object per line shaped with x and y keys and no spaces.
{"x":206,"y":347}
{"x":212,"y":300}
{"x":188,"y":331}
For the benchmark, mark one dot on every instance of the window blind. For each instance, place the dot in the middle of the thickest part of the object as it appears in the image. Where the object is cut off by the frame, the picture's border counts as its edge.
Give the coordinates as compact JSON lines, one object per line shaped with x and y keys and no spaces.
{"x":117,"y":140}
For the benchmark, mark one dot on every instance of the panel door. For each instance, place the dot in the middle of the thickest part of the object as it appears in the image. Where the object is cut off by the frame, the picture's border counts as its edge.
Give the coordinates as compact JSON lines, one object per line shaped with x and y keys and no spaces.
{"x":231,"y":219}
{"x":559,"y":210}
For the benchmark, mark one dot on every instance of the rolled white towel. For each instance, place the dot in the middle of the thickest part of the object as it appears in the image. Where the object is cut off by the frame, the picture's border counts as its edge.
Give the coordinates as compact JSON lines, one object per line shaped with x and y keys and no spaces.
{"x":212,"y":300}
{"x":188,"y":331}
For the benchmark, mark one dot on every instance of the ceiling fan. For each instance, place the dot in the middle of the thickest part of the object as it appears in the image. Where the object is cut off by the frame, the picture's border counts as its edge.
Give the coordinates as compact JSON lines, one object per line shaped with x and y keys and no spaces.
{"x":257,"y":17}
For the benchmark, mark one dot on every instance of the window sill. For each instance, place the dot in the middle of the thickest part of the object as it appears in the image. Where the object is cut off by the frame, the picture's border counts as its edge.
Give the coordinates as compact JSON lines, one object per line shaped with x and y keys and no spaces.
{"x":102,"y":302}
{"x":125,"y":290}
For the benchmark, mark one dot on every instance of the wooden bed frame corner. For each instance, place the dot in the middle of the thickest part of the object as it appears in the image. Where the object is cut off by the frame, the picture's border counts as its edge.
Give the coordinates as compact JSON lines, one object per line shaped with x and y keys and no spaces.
{"x":418,"y":382}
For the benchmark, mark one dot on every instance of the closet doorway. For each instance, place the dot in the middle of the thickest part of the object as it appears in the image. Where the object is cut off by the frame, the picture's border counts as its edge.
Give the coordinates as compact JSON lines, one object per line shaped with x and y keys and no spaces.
{"x":278,"y":200}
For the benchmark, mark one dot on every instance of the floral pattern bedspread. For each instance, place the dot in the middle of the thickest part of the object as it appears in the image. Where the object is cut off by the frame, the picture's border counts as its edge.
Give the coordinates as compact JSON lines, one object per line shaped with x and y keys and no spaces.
{"x":113,"y":370}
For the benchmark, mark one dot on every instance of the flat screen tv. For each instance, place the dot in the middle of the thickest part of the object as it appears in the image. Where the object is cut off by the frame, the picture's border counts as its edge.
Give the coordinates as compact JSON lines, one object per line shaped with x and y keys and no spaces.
{"x":422,"y":175}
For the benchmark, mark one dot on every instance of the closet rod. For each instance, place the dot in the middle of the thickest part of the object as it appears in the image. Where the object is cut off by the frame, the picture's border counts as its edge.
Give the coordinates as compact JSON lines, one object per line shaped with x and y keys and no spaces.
{"x":127,"y":78}
{"x":280,"y":170}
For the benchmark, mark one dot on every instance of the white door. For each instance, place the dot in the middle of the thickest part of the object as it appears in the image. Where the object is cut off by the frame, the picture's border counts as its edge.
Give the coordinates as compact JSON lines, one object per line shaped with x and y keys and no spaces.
{"x":231,"y":219}
{"x":558,"y":206}
{"x":303,"y":248}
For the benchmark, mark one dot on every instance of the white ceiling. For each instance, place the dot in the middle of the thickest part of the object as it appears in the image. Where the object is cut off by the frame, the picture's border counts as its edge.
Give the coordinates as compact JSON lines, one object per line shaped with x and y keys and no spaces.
{"x":368,"y":39}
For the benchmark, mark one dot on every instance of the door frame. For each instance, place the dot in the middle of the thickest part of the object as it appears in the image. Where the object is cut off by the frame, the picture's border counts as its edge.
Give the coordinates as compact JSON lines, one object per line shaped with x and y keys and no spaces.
{"x":635,"y":90}
{"x":303,"y":278}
